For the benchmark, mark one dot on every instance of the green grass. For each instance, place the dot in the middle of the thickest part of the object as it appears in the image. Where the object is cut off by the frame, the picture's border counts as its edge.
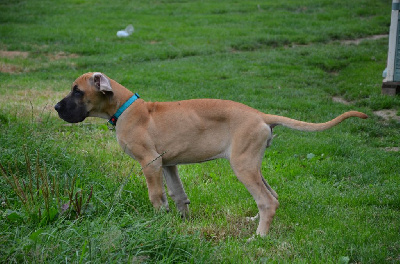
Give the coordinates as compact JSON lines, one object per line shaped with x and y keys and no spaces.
{"x":338,"y":189}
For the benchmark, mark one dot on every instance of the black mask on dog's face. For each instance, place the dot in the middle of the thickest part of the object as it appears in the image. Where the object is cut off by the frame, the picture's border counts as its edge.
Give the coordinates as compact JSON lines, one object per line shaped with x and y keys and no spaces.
{"x":72,"y":108}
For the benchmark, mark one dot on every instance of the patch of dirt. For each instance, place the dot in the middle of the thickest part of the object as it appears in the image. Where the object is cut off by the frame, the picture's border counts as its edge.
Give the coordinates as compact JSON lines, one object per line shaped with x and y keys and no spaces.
{"x":388,"y":114}
{"x":62,"y":55}
{"x":343,"y":42}
{"x":9,"y":68}
{"x":392,"y":149}
{"x":13,"y":54}
{"x":338,"y":99}
{"x":23,"y":54}
{"x":14,"y":68}
{"x":359,"y":40}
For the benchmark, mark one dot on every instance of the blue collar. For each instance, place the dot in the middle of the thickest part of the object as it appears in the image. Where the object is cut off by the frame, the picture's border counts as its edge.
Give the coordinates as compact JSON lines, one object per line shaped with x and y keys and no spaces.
{"x":114,"y":118}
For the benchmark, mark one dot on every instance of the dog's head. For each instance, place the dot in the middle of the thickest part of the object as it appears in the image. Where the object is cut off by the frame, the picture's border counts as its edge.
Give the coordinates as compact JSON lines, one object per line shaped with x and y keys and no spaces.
{"x":88,"y":97}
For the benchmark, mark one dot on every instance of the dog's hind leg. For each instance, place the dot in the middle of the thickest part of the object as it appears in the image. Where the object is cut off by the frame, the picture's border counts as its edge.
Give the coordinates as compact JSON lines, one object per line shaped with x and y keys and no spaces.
{"x":269,"y":187}
{"x":254,"y":218}
{"x":245,"y":158}
{"x":175,"y":189}
{"x":266,"y":202}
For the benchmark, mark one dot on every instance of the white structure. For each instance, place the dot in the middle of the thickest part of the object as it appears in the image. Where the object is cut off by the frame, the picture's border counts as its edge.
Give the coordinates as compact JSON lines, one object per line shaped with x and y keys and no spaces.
{"x":391,"y":83}
{"x":393,"y":65}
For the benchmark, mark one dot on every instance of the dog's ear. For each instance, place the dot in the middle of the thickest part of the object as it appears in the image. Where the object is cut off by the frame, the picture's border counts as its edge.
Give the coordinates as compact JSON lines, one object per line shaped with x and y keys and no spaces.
{"x":101,"y":82}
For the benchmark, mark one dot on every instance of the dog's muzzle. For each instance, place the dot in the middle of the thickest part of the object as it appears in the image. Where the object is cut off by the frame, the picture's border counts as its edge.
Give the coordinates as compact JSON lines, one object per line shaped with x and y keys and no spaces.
{"x":70,"y":111}
{"x":57,"y":107}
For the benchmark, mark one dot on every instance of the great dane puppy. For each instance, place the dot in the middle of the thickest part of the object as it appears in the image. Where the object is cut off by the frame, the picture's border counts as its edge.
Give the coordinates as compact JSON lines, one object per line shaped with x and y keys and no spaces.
{"x":161,"y":135}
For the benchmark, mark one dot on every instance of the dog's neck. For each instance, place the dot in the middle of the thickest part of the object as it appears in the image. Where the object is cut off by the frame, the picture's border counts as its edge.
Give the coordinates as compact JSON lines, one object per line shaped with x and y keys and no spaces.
{"x":113,"y":120}
{"x":119,"y":97}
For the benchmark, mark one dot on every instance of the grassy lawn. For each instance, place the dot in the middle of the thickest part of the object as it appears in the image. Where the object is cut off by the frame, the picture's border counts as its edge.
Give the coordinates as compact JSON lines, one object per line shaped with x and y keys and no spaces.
{"x":68,"y":194}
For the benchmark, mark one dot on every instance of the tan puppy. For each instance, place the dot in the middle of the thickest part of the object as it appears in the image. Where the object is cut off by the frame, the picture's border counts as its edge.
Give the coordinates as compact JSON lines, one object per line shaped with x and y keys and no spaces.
{"x":162,"y":135}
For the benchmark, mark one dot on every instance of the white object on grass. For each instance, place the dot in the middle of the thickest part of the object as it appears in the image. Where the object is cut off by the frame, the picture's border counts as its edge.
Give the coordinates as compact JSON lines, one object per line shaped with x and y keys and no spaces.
{"x":126,"y":32}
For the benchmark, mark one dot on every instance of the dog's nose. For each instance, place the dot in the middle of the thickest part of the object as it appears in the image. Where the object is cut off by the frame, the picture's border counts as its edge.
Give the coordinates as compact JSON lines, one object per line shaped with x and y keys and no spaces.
{"x":57,"y":107}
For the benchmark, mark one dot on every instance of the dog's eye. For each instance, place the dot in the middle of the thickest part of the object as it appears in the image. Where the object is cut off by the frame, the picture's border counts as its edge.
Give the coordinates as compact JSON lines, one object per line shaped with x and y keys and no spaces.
{"x":76,"y":91}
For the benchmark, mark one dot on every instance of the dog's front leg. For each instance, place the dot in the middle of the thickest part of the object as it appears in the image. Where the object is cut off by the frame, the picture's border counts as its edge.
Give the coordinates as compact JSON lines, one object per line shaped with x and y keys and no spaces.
{"x":155,"y":185}
{"x":175,"y":189}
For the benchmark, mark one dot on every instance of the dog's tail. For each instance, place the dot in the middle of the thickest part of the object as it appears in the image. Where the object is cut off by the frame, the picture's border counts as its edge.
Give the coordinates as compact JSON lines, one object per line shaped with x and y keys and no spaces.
{"x":274,"y":120}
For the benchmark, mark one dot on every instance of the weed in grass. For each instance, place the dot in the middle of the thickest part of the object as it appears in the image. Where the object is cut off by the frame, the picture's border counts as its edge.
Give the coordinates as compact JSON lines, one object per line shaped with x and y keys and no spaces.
{"x":40,"y":194}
